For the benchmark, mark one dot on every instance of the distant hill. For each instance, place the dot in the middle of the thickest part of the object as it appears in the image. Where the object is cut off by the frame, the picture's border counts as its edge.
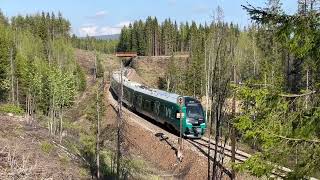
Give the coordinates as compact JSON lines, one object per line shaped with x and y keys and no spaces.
{"x":106,"y":37}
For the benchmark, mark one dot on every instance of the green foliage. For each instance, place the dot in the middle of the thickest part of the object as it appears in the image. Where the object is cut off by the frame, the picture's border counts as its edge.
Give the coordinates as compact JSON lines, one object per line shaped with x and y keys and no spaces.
{"x":256,"y":166}
{"x":133,"y":166}
{"x":293,"y":37}
{"x":269,"y":124}
{"x":150,"y":38}
{"x":46,"y":147}
{"x":43,"y":25}
{"x":6,"y":45}
{"x":284,"y":128}
{"x":41,"y":73}
{"x":3,"y":19}
{"x":90,"y":43}
{"x":124,"y":44}
{"x":189,"y":77}
{"x":11,"y":108}
{"x":81,"y":82}
{"x":89,"y":143}
{"x":100,"y":68}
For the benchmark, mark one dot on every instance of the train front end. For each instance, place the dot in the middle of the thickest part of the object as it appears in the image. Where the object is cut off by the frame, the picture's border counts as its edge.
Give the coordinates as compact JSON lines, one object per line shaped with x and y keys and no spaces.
{"x":194,"y":118}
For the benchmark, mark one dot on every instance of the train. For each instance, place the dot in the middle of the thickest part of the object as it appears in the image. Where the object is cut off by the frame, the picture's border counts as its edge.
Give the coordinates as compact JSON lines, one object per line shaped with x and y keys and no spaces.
{"x":161,"y":106}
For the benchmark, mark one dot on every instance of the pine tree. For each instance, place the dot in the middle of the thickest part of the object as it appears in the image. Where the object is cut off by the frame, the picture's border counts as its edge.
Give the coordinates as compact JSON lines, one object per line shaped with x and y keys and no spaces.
{"x":124,"y":42}
{"x":5,"y":46}
{"x":3,"y":19}
{"x":149,"y":37}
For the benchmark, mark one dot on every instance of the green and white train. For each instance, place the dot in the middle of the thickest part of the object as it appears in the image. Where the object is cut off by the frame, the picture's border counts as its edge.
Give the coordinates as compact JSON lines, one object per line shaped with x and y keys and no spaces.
{"x":161,"y":106}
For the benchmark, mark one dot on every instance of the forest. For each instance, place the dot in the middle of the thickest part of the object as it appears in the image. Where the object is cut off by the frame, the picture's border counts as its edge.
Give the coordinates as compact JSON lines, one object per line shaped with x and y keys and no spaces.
{"x":91,"y":43}
{"x":150,"y":38}
{"x":38,"y":69}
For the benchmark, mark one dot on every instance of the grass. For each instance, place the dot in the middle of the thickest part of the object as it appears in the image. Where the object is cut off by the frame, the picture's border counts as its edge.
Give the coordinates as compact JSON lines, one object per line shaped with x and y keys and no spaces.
{"x":64,"y":159}
{"x":46,"y":147}
{"x":11,"y":108}
{"x":84,"y":172}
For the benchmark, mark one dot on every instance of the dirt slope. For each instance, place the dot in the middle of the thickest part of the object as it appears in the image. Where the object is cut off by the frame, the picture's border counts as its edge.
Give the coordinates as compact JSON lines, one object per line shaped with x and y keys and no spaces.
{"x":151,"y":68}
{"x":27,"y":152}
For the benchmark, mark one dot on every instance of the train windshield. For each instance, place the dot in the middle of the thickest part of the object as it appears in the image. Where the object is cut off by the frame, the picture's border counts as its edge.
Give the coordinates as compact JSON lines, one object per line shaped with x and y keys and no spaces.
{"x":194,"y":111}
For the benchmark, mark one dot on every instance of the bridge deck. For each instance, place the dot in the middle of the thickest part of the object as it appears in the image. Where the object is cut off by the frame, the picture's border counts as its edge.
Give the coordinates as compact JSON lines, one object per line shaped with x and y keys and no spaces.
{"x":126,"y":54}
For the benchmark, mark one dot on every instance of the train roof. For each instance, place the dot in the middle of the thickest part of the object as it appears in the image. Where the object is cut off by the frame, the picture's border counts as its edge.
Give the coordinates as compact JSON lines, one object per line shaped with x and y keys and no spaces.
{"x":171,"y":97}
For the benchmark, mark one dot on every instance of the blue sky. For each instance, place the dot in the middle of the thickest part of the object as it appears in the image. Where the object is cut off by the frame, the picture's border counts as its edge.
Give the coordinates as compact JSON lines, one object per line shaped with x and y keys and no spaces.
{"x":100,"y":17}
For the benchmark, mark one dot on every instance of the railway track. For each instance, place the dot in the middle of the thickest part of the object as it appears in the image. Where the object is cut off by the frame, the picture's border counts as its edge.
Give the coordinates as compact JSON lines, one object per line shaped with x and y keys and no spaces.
{"x":279,"y":172}
{"x":226,"y":150}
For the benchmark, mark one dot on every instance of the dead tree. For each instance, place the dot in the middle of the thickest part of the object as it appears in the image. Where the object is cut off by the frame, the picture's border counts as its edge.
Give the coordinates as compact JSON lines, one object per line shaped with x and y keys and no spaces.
{"x":98,"y":133}
{"x":119,"y":125}
{"x":220,"y":67}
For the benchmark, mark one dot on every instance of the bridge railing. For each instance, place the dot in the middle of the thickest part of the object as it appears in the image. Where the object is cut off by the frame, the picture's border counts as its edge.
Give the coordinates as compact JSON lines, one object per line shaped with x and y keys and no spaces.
{"x":126,"y":54}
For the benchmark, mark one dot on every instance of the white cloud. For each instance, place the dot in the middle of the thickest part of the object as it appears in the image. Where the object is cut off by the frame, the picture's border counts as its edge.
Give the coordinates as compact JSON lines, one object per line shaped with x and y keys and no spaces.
{"x":107,"y":30}
{"x":94,"y":30}
{"x":88,"y":30}
{"x":101,"y":13}
{"x":124,"y":23}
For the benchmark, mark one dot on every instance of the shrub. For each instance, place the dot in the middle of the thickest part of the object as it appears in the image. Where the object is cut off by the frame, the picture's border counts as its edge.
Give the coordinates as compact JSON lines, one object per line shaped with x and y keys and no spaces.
{"x":11,"y":108}
{"x":46,"y":147}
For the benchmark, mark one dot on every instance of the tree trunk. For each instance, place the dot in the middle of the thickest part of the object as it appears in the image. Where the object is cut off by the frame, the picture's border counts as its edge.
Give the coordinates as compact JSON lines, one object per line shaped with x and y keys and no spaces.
{"x":98,"y":140}
{"x":61,"y":120}
{"x":12,"y":77}
{"x":17,"y":90}
{"x":95,"y":69}
{"x":119,"y":125}
{"x":168,"y":84}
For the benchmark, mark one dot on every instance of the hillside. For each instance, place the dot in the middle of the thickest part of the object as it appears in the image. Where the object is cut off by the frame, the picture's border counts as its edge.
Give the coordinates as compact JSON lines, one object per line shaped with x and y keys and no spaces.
{"x":152,"y":68}
{"x":104,"y":37}
{"x":28,"y":152}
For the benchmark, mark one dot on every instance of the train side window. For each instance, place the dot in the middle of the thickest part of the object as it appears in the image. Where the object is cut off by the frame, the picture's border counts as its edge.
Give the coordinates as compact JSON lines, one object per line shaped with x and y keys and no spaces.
{"x":152,"y":106}
{"x":129,"y":96}
{"x":157,"y":106}
{"x":146,"y":105}
{"x":149,"y":105}
{"x":140,"y":101}
{"x":168,"y":112}
{"x":162,"y":110}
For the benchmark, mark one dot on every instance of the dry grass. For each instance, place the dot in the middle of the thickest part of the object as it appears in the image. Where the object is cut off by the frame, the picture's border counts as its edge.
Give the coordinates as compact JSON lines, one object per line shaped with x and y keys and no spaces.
{"x":15,"y":166}
{"x":23,"y":154}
